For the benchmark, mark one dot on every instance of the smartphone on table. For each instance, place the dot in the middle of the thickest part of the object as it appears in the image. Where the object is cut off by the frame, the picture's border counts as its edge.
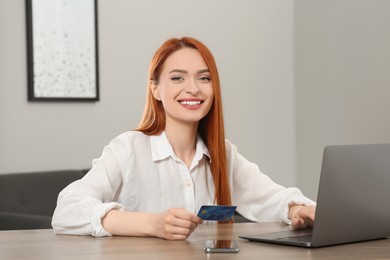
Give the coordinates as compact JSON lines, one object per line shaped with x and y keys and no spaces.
{"x":221,"y":246}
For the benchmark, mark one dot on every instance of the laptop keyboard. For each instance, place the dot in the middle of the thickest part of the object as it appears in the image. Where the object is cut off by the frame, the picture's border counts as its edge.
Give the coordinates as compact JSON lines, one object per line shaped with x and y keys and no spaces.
{"x":300,"y":238}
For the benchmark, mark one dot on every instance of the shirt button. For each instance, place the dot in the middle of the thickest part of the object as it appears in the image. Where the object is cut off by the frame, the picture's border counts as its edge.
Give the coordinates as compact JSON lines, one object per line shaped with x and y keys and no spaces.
{"x":188,"y":184}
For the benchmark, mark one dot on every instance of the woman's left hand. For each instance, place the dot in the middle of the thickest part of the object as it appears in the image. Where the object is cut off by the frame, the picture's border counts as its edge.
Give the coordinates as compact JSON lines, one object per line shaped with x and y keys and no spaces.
{"x":302,"y":216}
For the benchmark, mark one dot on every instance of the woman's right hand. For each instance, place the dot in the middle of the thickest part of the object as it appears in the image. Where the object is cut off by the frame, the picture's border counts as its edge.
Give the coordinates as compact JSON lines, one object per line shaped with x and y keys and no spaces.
{"x":176,"y":224}
{"x":172,"y":224}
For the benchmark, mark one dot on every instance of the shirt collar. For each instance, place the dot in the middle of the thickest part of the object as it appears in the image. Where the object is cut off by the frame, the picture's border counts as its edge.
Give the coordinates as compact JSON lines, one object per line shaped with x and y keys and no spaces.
{"x":162,"y":149}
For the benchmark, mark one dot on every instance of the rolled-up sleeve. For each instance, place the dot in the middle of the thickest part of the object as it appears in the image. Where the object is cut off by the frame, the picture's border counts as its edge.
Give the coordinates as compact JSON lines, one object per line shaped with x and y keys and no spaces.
{"x":83,"y":203}
{"x":257,"y":197}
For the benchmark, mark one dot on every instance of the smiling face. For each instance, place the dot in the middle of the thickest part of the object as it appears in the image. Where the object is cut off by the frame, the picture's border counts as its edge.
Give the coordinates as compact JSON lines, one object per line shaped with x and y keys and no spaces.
{"x":184,"y":87}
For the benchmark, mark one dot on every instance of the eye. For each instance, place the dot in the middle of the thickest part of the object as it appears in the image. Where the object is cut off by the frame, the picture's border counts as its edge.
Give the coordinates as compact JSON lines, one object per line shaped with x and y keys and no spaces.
{"x":205,"y":78}
{"x":177,"y":78}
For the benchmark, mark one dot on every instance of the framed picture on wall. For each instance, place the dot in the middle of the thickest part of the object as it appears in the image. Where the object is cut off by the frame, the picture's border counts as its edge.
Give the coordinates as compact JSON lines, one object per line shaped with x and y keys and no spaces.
{"x":62,"y":50}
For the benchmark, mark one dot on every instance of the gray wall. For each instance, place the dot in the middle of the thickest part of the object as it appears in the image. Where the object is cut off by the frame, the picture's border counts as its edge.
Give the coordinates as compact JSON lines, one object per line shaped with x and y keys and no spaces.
{"x":253,"y":44}
{"x":342,"y":62}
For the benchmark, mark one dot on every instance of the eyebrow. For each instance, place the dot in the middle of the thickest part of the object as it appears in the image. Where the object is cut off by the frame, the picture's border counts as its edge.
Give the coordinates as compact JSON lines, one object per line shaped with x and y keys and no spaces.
{"x":186,"y":72}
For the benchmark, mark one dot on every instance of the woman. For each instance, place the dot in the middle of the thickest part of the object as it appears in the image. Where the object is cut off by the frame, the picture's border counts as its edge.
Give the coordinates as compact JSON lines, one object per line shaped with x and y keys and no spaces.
{"x":152,"y":181}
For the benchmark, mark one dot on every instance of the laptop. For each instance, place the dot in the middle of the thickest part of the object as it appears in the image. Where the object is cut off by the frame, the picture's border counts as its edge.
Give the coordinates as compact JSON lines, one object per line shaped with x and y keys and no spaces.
{"x":352,"y":202}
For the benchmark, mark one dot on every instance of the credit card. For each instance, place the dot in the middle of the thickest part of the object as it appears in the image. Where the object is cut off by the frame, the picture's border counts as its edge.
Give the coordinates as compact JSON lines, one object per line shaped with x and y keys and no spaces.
{"x":217,"y":213}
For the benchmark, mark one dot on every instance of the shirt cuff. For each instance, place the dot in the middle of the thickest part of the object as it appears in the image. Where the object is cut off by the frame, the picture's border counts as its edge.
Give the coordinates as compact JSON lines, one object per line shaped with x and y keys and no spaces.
{"x":99,"y":212}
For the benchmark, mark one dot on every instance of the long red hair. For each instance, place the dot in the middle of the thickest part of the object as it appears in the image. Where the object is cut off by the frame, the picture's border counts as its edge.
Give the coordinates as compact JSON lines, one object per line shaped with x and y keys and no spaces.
{"x":211,"y":127}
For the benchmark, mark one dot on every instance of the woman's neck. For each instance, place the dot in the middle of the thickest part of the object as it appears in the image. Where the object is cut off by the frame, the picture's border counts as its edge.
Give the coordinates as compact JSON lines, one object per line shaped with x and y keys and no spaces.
{"x":182,"y":137}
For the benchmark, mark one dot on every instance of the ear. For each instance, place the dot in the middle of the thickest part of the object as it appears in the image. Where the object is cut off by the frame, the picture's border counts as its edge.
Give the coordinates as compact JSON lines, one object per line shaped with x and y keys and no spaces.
{"x":154,"y":89}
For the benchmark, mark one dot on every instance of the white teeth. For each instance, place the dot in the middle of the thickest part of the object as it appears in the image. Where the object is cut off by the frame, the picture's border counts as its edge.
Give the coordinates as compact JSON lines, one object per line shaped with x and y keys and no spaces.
{"x":190,"y":103}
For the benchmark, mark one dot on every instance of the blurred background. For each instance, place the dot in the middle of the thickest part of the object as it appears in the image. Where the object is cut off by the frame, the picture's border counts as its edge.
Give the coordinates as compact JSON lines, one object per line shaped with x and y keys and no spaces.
{"x":296,"y":76}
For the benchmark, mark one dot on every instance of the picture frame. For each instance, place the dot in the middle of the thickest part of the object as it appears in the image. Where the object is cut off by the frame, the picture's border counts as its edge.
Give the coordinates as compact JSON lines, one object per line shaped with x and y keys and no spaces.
{"x":62,"y":50}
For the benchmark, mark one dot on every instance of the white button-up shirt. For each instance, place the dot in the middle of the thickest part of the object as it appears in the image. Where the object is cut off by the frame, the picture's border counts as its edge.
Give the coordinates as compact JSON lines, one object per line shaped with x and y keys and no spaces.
{"x":137,"y":172}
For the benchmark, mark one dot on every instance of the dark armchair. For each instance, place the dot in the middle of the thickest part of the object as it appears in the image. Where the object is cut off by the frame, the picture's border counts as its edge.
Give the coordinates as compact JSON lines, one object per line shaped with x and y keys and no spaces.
{"x":28,"y":200}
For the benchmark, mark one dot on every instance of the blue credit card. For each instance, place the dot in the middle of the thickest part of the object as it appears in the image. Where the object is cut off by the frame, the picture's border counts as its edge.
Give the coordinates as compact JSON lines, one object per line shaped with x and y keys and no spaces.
{"x":218,"y":213}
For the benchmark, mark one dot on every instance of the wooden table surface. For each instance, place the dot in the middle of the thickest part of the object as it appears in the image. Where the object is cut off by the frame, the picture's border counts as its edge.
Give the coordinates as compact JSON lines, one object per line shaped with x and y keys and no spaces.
{"x":44,"y":244}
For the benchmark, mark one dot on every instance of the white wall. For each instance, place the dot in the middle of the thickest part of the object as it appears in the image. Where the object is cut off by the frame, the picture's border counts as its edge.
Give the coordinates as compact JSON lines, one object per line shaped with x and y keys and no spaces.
{"x":253,"y":44}
{"x":342,"y":62}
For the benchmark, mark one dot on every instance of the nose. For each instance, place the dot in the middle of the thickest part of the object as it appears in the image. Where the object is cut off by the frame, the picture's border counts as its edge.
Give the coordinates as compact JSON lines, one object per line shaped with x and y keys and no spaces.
{"x":192,"y":87}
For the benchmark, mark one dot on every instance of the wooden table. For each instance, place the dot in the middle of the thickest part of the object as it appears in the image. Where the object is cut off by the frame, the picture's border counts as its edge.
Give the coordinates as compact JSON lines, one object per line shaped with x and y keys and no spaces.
{"x":44,"y":244}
